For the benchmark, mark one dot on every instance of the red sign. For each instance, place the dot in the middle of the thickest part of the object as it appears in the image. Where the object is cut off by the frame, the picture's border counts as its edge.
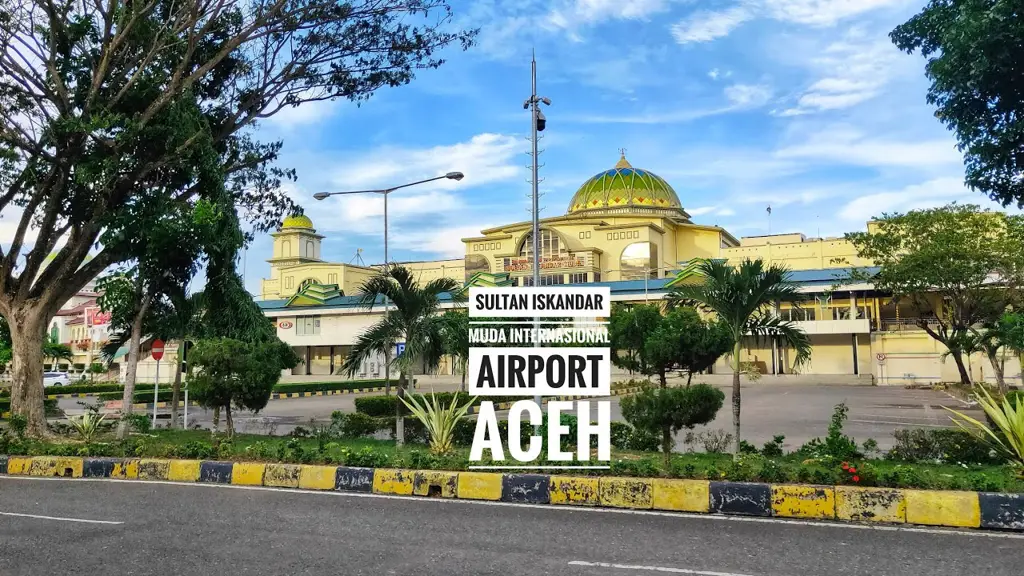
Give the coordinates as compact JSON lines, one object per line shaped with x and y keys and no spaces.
{"x":158,"y":349}
{"x":284,"y":325}
{"x":521,"y":264}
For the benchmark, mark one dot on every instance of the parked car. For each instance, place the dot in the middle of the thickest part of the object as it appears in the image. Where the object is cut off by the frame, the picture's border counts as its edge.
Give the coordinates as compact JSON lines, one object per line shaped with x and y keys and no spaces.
{"x":55,"y":379}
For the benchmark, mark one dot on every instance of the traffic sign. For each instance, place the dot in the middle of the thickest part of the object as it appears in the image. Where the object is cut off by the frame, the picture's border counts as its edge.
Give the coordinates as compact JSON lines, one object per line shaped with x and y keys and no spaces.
{"x":158,"y":349}
{"x":880,"y":357}
{"x":399,"y":348}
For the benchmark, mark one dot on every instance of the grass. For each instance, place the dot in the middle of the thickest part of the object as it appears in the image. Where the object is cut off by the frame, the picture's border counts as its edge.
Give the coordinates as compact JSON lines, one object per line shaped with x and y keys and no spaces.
{"x":201,"y":444}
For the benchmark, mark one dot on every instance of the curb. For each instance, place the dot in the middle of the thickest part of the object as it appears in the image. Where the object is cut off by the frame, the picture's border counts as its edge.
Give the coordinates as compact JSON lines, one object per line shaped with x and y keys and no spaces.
{"x":273,"y":396}
{"x":507,"y":405}
{"x":983,"y":510}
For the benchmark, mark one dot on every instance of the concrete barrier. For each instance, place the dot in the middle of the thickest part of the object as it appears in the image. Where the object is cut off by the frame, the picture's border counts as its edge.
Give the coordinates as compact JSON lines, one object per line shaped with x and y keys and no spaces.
{"x":847,"y":503}
{"x":943,"y":508}
{"x":626,"y":492}
{"x":741,"y":498}
{"x":800,"y":501}
{"x":871,"y":504}
{"x":352,"y":479}
{"x":681,"y":495}
{"x":576,"y":490}
{"x":527,"y":488}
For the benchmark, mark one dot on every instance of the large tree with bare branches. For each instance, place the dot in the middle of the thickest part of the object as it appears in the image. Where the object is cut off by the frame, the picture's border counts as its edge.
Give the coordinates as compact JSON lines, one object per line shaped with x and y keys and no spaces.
{"x":115,"y":114}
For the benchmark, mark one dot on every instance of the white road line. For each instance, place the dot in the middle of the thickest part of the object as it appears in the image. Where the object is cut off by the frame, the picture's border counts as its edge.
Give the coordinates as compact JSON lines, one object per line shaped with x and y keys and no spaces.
{"x":59,"y":518}
{"x":567,"y":509}
{"x":899,"y":423}
{"x":651,"y":568}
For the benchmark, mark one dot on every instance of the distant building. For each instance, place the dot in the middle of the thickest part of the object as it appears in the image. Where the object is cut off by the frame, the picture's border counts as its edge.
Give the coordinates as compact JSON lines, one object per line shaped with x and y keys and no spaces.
{"x":626,"y":228}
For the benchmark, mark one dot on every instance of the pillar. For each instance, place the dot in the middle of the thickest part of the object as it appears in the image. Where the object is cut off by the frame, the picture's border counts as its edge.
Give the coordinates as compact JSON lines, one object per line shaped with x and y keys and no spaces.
{"x":856,"y":360}
{"x":332,"y":360}
{"x":853,"y":306}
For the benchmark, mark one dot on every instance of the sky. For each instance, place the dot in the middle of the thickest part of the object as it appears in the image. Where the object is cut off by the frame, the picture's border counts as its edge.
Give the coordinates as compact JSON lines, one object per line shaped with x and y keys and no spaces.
{"x":803,"y":105}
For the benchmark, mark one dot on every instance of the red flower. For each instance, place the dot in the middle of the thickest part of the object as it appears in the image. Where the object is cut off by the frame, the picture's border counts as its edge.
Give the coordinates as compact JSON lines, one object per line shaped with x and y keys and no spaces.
{"x":846,"y":465}
{"x":852,"y":470}
{"x":856,"y":478}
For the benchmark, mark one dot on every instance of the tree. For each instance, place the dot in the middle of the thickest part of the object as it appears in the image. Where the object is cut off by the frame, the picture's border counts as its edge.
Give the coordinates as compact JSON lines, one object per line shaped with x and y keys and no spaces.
{"x":57,"y":351}
{"x":227,"y":373}
{"x":116,"y":116}
{"x":412,"y":317}
{"x":742,"y":298}
{"x":668,"y":410}
{"x":700,"y":342}
{"x":628,"y":329}
{"x":974,"y":50}
{"x":957,"y":266}
{"x":455,"y":332}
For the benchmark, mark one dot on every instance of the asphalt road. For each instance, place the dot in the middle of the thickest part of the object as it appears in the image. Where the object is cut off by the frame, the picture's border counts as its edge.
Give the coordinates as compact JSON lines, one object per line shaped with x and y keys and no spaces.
{"x":201,"y":530}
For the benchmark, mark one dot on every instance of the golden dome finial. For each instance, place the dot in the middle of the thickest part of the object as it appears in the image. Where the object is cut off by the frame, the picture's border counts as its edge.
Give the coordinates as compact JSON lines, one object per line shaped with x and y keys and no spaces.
{"x":622,"y":163}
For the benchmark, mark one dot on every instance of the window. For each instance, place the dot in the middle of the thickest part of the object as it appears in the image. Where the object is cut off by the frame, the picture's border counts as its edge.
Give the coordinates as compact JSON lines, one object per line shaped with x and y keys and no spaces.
{"x":578,"y":278}
{"x":550,"y":245}
{"x":597,"y":276}
{"x":286,"y":249}
{"x":638,"y":260}
{"x":307,"y":325}
{"x":546,"y":280}
{"x":289,"y":282}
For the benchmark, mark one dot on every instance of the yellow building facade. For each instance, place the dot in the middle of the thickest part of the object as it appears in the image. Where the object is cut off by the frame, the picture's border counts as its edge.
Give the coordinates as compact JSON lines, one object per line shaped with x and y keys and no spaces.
{"x":626,"y":227}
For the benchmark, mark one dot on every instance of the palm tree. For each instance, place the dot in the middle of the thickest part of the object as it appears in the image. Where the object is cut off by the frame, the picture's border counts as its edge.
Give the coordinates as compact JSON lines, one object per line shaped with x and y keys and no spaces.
{"x":743,"y":298}
{"x":412,"y":317}
{"x":456,"y":340}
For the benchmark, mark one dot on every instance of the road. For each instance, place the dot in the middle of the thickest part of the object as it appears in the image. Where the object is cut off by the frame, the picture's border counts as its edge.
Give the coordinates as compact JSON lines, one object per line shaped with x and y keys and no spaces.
{"x":200,"y":530}
{"x":800,"y":412}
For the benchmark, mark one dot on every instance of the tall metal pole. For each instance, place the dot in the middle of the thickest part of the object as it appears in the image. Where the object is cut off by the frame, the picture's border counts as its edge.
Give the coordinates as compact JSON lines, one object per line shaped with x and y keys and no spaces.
{"x":387,"y":353}
{"x":536,"y":201}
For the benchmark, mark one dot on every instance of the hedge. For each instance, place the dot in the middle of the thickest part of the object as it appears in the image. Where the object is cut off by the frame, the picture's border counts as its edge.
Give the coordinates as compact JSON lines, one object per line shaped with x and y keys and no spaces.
{"x":385,"y":405}
{"x":328,"y":386}
{"x":49,"y":405}
{"x":95,"y":388}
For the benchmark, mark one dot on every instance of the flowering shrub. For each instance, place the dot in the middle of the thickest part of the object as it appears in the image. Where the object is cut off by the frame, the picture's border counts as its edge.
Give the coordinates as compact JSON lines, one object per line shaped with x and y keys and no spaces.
{"x":852,"y":472}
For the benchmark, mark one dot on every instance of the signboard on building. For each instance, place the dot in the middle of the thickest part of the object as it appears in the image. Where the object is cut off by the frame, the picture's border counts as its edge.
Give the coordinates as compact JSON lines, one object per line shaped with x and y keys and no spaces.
{"x":551,"y":262}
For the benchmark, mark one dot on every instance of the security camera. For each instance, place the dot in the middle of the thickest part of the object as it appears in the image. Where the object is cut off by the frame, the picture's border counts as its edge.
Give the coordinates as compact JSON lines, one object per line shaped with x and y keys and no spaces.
{"x":541,"y":121}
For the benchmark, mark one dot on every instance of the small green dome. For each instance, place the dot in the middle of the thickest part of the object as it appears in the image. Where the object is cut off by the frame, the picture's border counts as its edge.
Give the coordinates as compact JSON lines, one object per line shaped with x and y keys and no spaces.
{"x":624,"y":187}
{"x":297,"y":221}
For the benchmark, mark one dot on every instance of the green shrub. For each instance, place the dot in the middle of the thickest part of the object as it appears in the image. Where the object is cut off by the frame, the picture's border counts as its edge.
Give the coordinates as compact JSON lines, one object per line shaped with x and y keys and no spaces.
{"x":667,"y":410}
{"x":367,"y":457}
{"x":327,"y":386}
{"x":140,"y":423}
{"x":940,"y":445}
{"x":358,"y":425}
{"x":836,"y":446}
{"x":773,"y":448}
{"x":377,"y":406}
{"x":195,"y":450}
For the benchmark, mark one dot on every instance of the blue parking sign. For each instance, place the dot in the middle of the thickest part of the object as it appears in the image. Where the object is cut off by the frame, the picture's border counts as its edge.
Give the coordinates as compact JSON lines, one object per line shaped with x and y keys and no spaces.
{"x":399,"y":348}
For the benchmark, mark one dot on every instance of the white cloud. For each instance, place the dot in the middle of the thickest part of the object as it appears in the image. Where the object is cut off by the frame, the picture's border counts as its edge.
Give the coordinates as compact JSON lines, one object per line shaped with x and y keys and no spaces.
{"x":823,"y":12}
{"x":711,"y":211}
{"x":747,"y":95}
{"x":740,"y":96}
{"x":841,"y":145}
{"x":570,"y":14}
{"x":483,"y":159}
{"x":706,"y":25}
{"x":445,"y":242}
{"x":931,"y":193}
{"x":713,"y":74}
{"x":850,"y":71}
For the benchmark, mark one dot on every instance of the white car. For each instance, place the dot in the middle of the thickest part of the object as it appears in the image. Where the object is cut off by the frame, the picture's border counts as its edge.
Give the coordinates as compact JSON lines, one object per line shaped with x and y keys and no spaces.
{"x":55,"y":379}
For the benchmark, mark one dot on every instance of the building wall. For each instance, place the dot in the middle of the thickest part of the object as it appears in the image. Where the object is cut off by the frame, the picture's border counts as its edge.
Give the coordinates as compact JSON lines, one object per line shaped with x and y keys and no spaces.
{"x":812,"y":254}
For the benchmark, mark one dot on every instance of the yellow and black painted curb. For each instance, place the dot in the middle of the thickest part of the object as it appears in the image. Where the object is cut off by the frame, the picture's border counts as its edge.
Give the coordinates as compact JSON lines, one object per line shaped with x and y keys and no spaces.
{"x":994,"y":511}
{"x":273,"y":396}
{"x":546,"y":399}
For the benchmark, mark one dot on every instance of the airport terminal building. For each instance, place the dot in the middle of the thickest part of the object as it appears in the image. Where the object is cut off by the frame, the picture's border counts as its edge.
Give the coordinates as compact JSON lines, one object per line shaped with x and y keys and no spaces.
{"x":627,"y":229}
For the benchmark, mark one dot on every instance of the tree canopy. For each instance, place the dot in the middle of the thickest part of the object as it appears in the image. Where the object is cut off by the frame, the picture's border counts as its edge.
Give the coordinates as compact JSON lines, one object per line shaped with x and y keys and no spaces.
{"x":974,"y":50}
{"x":118,"y":119}
{"x":958,"y":266}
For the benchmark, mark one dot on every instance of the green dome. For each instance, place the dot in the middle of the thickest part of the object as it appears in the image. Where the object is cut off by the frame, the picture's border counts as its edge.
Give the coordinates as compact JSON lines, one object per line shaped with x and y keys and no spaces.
{"x":624,"y":187}
{"x":297,"y":221}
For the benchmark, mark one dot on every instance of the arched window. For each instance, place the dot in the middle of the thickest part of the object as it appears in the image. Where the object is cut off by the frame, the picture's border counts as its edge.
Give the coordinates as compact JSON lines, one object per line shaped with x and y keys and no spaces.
{"x":638,"y":260}
{"x":550,"y":245}
{"x":309,"y":250}
{"x":286,"y":249}
{"x":54,"y":334}
{"x":307,"y":282}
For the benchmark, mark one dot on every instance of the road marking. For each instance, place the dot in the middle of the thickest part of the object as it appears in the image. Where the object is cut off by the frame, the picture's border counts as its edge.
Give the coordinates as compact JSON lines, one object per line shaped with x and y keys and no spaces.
{"x":60,"y":518}
{"x":560,"y":508}
{"x":651,"y":568}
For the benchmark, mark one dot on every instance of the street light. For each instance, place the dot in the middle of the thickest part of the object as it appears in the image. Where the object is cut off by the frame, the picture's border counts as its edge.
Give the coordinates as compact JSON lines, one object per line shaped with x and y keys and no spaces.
{"x":385,"y":192}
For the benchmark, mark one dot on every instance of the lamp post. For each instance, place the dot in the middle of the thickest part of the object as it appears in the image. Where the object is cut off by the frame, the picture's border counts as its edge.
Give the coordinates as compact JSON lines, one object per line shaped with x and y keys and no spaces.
{"x":385,"y":192}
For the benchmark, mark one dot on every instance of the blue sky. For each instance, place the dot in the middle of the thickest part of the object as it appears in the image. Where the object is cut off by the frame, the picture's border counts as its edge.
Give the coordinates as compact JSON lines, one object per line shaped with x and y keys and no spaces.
{"x":801,"y":104}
